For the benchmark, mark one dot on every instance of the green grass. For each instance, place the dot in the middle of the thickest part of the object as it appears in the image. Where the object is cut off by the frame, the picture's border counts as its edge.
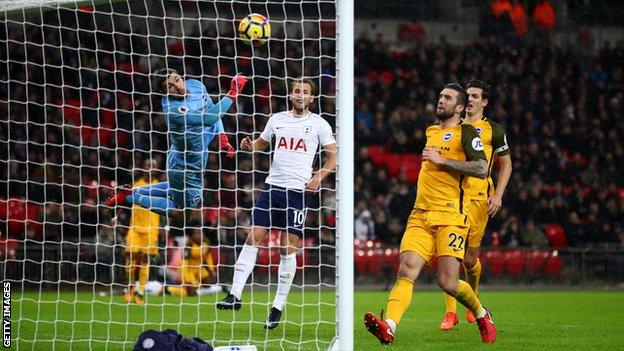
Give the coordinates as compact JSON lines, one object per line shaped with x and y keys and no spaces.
{"x":546,"y":320}
{"x":81,"y":321}
{"x":527,"y":320}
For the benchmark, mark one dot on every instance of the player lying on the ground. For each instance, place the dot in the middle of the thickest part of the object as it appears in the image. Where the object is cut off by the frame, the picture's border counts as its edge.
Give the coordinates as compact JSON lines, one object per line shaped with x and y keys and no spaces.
{"x":198,"y":272}
{"x":282,"y":204}
{"x":193,"y":122}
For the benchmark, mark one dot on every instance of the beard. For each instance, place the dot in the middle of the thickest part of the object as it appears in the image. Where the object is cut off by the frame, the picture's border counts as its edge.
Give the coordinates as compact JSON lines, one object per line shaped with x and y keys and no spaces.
{"x":444,"y":115}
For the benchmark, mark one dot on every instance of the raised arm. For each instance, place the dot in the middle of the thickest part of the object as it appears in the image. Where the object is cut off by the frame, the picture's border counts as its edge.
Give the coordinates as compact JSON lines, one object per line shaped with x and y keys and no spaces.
{"x":212,"y":116}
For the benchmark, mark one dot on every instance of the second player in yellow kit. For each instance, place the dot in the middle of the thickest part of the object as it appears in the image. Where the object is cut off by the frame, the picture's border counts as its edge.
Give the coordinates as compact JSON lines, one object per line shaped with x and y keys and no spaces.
{"x":438,"y":224}
{"x":141,"y":238}
{"x":485,"y":199}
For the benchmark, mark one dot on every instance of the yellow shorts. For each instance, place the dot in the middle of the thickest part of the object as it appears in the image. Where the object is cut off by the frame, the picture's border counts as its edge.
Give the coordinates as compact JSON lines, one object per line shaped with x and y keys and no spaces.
{"x":477,"y":218}
{"x":140,"y":242}
{"x":437,"y":233}
{"x":194,"y":275}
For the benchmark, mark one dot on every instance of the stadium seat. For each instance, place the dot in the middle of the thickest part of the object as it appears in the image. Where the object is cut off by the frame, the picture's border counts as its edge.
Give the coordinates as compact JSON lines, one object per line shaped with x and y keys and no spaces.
{"x":555,"y":234}
{"x":376,"y":155}
{"x":515,"y":262}
{"x":360,"y":261}
{"x":536,"y":261}
{"x":553,"y":265}
{"x":495,"y":262}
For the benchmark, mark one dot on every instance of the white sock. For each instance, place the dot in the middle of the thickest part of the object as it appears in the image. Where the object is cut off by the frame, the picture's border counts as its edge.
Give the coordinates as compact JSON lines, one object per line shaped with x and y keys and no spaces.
{"x":212,"y":289}
{"x":285,"y":275}
{"x":481,"y":313}
{"x":242,"y":269}
{"x":392,"y":324}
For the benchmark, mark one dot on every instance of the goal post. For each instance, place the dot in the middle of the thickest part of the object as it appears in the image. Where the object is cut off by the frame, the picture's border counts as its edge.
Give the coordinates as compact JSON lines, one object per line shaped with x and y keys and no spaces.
{"x":79,"y":118}
{"x":345,"y":131}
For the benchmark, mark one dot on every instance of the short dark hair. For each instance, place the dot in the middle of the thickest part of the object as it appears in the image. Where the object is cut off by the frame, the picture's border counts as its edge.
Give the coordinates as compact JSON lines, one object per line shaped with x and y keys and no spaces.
{"x":303,"y":80}
{"x":159,"y":80}
{"x":485,"y":88}
{"x":462,"y":97}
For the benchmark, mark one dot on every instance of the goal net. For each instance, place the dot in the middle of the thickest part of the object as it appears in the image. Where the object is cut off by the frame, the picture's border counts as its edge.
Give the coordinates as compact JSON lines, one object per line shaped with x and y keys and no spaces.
{"x":78,"y":118}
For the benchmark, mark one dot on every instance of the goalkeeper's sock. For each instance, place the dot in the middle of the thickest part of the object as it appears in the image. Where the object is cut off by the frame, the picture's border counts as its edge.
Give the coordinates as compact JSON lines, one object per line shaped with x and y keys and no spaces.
{"x":467,"y":297}
{"x":243,"y":268}
{"x":212,"y":289}
{"x":143,"y":276}
{"x":399,"y":299}
{"x":285,"y":273}
{"x":473,"y":274}
{"x":160,"y":205}
{"x":178,"y":291}
{"x":450,"y":302}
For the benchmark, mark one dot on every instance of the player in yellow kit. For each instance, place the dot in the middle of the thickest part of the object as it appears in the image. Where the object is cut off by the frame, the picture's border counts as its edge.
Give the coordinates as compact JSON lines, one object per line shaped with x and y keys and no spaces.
{"x":198,"y":272}
{"x":142,"y":238}
{"x":438,"y":224}
{"x":484,"y":198}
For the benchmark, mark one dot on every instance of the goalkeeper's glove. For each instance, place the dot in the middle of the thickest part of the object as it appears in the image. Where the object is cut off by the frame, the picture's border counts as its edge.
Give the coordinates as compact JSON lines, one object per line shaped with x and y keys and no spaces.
{"x":225,"y":145}
{"x":236,"y":86}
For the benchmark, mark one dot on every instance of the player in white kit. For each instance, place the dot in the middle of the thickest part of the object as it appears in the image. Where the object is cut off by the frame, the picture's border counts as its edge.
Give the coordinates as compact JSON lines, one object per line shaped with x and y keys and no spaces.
{"x":281,"y":205}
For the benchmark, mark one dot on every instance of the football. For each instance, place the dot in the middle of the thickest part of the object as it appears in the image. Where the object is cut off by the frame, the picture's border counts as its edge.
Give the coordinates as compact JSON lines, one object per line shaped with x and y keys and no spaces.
{"x":254,"y":29}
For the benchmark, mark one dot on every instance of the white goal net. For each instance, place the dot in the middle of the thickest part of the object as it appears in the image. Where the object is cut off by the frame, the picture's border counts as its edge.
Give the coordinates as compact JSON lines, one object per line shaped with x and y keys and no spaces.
{"x":78,"y":118}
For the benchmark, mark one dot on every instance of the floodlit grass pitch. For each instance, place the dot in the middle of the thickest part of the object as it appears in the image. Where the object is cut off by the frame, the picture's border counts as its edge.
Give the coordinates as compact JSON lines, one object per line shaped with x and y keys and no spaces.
{"x":526,"y":320}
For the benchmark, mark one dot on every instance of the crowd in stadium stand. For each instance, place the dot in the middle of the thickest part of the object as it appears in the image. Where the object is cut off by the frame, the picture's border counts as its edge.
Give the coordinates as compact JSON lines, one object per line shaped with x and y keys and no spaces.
{"x":83,"y":121}
{"x":561,"y":108}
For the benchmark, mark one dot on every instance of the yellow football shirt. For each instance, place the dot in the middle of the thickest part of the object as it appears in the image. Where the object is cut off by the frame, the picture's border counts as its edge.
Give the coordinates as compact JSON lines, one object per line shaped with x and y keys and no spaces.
{"x":142,"y":220}
{"x":494,"y":143}
{"x":439,"y":188}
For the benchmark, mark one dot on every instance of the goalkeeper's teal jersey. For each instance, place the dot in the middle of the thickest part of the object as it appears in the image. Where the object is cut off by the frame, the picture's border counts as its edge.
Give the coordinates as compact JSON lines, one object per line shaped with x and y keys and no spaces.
{"x":193,"y":122}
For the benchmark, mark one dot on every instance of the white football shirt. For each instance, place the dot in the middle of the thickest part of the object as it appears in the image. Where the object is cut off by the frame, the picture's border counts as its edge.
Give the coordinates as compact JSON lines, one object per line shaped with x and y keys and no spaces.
{"x":296,"y":143}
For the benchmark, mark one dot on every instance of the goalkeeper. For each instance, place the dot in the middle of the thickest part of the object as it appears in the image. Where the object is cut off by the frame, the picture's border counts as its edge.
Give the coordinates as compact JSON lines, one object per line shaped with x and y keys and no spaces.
{"x":193,"y":121}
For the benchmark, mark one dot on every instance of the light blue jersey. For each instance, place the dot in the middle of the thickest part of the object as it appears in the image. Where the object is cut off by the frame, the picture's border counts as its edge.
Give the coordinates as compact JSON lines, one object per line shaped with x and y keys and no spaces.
{"x":193,"y":122}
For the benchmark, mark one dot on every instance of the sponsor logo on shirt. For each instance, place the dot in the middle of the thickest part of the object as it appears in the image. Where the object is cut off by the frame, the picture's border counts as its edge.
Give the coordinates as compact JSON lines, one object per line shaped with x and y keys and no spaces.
{"x":293,"y":144}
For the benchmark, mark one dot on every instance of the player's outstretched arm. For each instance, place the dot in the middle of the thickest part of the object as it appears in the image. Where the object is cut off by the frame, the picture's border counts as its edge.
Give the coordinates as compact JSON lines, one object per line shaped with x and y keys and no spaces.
{"x":329,"y":166}
{"x":214,"y":114}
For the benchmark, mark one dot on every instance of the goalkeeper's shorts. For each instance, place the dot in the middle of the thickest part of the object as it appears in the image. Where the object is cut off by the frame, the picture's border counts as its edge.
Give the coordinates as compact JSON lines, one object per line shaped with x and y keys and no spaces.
{"x":280,"y":208}
{"x":186,"y":190}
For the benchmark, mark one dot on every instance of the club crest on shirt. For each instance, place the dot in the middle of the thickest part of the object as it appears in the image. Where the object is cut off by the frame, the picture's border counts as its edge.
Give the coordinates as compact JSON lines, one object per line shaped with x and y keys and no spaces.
{"x":307,"y":129}
{"x":479,"y":130}
{"x":447,"y":136}
{"x":183,"y":109}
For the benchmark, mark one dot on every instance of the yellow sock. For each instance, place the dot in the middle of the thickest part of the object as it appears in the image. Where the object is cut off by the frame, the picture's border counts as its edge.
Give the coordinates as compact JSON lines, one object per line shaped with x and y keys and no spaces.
{"x":179,"y":291}
{"x":143,"y":276}
{"x":130,"y":270}
{"x":466,"y":296}
{"x":399,"y":299}
{"x":473,"y":274}
{"x":450,"y":302}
